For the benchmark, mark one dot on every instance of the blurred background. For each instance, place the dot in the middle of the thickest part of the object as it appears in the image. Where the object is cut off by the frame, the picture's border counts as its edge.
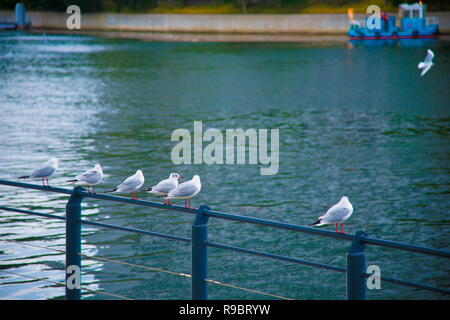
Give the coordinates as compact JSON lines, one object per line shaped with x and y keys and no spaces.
{"x":218,"y":6}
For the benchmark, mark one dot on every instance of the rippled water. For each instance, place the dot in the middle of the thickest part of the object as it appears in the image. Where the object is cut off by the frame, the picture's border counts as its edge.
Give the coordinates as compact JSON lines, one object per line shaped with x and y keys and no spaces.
{"x":354,"y":119}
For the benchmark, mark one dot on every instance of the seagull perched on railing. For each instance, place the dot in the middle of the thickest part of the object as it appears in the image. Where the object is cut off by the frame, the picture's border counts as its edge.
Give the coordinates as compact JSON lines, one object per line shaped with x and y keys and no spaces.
{"x":186,"y":191}
{"x":427,"y":63}
{"x":338,"y":213}
{"x":89,"y":178}
{"x":165,"y":186}
{"x":44,"y":171}
{"x":131,"y":184}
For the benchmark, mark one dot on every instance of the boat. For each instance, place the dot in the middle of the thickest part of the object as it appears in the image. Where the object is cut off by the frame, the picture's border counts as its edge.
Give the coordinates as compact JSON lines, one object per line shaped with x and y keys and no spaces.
{"x":413,"y":25}
{"x":20,"y":22}
{"x":4,"y":25}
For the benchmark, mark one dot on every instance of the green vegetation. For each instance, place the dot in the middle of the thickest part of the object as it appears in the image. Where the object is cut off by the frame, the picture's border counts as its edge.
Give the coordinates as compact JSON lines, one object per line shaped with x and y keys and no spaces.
{"x":218,"y":6}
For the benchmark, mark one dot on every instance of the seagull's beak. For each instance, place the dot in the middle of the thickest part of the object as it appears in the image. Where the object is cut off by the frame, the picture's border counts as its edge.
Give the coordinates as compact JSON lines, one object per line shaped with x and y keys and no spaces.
{"x":181,"y":177}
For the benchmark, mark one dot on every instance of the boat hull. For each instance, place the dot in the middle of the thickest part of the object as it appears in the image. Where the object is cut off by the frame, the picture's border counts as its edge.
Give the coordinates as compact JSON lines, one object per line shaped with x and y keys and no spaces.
{"x":393,"y":37}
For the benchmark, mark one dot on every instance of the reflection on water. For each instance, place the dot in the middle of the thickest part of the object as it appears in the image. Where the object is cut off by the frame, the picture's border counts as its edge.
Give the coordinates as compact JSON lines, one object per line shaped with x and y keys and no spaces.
{"x":357,"y":121}
{"x":404,"y":43}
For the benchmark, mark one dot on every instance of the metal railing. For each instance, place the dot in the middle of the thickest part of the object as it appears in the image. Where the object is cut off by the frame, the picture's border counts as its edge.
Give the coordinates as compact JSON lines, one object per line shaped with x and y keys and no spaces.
{"x":431,"y":21}
{"x":355,"y":269}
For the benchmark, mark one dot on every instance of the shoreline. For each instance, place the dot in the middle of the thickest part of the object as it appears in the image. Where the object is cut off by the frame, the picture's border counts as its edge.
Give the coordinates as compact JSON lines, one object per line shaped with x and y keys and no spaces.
{"x":277,"y":25}
{"x":201,"y":37}
{"x":215,"y":37}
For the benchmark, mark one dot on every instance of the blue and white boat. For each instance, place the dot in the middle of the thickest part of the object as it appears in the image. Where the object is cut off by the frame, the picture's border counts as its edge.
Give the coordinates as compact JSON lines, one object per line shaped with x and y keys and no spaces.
{"x":413,"y":24}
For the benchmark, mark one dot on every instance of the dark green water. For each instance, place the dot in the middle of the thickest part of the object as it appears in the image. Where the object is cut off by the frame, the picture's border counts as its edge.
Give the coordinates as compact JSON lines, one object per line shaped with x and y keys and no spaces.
{"x":353,"y":120}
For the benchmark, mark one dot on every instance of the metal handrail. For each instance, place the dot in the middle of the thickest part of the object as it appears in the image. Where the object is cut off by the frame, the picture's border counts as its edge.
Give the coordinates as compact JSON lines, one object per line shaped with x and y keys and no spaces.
{"x":241,"y":218}
{"x":198,"y":241}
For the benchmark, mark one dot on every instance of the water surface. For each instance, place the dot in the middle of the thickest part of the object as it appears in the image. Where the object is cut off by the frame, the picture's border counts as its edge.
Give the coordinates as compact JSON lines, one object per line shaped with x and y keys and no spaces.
{"x":354,"y":119}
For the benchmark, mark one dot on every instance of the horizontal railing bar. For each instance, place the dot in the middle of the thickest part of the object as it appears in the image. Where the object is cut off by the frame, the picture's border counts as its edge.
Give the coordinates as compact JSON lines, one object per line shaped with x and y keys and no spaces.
{"x":239,"y":218}
{"x":63,"y":284}
{"x":46,"y":215}
{"x":280,"y":225}
{"x":135,"y":265}
{"x":100,"y":196}
{"x":139,"y":202}
{"x":331,"y":234}
{"x":35,"y":186}
{"x":410,"y":284}
{"x":99,"y":224}
{"x":144,"y":232}
{"x":246,"y":289}
{"x":276,"y":256}
{"x":406,"y":247}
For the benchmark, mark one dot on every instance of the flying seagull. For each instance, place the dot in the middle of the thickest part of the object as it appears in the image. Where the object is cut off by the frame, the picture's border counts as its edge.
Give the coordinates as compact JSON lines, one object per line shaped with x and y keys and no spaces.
{"x":186,"y":191}
{"x":44,"y":171}
{"x":165,"y":186}
{"x":90,"y":178}
{"x":338,"y":213}
{"x":131,"y":184}
{"x":427,"y":63}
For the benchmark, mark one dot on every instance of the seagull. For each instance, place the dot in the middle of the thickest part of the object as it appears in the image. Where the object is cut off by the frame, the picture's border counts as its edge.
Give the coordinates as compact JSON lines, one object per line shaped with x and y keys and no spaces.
{"x":165,"y":186}
{"x":90,"y":178}
{"x":427,"y":63}
{"x":186,"y":191}
{"x":338,"y":213}
{"x":131,"y":184}
{"x":44,"y":171}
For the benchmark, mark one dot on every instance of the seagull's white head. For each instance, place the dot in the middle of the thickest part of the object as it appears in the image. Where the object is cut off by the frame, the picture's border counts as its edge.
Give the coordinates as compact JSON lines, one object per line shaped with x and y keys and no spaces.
{"x":344,"y":198}
{"x":139,"y":173}
{"x":98,"y":168}
{"x":54,"y":162}
{"x":175,"y":176}
{"x":196,"y":179}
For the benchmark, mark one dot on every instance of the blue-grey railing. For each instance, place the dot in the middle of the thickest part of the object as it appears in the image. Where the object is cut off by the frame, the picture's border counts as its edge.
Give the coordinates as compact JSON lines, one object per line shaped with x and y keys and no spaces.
{"x":355,"y":270}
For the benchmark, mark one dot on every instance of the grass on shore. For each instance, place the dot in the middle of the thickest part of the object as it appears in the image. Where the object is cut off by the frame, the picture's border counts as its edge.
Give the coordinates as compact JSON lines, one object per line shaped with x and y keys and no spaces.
{"x":272,"y":8}
{"x":221,"y":6}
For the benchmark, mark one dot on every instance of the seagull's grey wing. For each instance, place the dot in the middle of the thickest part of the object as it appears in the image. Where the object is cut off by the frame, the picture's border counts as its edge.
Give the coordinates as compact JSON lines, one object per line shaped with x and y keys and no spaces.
{"x":164,"y":186}
{"x":42,"y":172}
{"x":184,"y":190}
{"x":335,"y":214}
{"x":429,"y":57}
{"x":129,"y":184}
{"x":425,"y":69}
{"x":91,"y":176}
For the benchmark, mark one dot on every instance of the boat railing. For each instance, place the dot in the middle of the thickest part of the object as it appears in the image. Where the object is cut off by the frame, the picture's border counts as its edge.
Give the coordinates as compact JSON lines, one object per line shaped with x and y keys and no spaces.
{"x":429,"y":21}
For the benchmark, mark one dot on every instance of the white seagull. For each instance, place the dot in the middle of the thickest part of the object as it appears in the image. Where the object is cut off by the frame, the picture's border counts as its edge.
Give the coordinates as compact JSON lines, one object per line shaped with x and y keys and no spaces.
{"x":427,"y":63}
{"x":186,"y":191}
{"x":131,"y":184}
{"x":89,"y":178}
{"x":44,"y":171}
{"x":338,"y":213}
{"x":165,"y":186}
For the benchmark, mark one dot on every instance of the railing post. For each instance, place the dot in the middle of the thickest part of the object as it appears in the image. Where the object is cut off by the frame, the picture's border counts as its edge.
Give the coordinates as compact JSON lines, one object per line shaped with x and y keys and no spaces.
{"x":356,"y":268}
{"x":199,"y":255}
{"x":73,"y":245}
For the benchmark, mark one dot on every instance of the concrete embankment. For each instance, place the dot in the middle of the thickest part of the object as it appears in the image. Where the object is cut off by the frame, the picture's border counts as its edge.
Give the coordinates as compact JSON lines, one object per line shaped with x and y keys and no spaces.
{"x":207,"y":23}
